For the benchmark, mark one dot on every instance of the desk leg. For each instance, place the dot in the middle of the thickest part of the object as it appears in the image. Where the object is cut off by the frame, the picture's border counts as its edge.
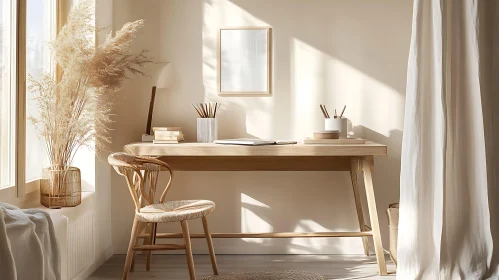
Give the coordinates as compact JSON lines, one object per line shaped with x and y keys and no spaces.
{"x":354,"y":169}
{"x":368,"y":168}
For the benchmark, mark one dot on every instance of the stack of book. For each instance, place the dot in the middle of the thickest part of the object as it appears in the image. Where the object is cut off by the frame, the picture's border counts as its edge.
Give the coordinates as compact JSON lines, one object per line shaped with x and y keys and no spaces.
{"x":168,"y":135}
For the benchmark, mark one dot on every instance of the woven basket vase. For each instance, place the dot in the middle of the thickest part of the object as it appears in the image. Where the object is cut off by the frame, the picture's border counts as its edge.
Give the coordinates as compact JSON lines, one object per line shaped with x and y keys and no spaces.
{"x":393,"y":224}
{"x":60,"y":188}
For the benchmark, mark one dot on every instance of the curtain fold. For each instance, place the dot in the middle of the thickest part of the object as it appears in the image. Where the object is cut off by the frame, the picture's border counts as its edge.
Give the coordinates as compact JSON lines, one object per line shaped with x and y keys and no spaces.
{"x":448,"y":181}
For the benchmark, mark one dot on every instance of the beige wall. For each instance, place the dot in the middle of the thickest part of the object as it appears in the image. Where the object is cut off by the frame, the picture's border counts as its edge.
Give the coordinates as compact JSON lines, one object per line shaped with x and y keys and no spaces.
{"x":325,"y":51}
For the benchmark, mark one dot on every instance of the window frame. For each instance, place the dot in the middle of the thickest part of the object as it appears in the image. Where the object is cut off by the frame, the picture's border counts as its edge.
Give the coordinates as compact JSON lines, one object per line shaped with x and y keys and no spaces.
{"x":8,"y":102}
{"x":21,"y":187}
{"x":20,"y":153}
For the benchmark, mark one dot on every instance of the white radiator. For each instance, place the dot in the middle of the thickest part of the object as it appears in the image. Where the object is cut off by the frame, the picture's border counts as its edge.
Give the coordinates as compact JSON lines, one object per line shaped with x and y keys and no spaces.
{"x":80,"y":244}
{"x":75,"y":230}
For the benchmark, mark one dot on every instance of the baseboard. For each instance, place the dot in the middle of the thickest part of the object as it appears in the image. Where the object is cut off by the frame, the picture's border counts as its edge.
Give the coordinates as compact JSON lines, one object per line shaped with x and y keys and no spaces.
{"x":109,"y":252}
{"x":84,"y":274}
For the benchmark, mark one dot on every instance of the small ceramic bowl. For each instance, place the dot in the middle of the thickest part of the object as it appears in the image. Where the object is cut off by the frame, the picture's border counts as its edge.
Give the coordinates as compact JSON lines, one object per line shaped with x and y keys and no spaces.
{"x":327,"y":134}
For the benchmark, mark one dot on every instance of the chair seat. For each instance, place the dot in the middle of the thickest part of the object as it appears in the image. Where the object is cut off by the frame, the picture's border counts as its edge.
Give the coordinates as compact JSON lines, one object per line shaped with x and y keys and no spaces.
{"x":268,"y":275}
{"x":175,"y":211}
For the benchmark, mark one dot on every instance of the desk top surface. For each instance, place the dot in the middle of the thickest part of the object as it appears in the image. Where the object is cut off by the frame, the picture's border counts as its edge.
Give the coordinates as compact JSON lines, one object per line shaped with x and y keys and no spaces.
{"x":209,"y":149}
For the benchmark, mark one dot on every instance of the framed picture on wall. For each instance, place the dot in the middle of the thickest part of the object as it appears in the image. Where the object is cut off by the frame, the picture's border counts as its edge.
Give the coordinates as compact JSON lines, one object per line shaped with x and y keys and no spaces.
{"x":244,"y":61}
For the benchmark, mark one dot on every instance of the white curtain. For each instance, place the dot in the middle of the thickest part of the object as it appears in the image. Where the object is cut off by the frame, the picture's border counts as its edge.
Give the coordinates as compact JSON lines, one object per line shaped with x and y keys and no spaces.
{"x":449,"y":197}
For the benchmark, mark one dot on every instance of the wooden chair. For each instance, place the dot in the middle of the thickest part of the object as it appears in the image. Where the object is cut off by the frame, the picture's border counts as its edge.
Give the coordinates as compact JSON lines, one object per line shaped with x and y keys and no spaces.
{"x":147,"y":212}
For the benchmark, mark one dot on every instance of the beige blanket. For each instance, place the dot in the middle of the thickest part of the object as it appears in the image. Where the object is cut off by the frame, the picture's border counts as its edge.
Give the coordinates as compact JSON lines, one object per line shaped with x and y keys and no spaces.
{"x":28,"y":247}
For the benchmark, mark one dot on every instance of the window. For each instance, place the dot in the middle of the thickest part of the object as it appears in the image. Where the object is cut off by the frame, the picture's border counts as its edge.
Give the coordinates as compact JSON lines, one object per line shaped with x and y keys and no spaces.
{"x":7,"y":93}
{"x":22,"y":154}
{"x":39,"y":28}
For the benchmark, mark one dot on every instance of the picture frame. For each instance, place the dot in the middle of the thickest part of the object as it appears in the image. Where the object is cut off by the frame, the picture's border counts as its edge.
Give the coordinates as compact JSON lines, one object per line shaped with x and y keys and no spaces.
{"x":244,"y":61}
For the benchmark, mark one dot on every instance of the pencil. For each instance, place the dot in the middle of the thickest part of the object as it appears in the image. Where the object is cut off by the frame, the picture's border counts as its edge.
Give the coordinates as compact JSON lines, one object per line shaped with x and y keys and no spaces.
{"x":199,"y":113}
{"x":343,"y":111}
{"x":325,"y":109}
{"x":324,"y":113}
{"x":215,"y":111}
{"x":203,"y":109}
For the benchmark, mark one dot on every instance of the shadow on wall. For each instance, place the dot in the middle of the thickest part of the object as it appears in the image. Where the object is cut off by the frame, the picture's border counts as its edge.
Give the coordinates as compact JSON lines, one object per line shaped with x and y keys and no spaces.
{"x":237,"y":122}
{"x":386,"y":175}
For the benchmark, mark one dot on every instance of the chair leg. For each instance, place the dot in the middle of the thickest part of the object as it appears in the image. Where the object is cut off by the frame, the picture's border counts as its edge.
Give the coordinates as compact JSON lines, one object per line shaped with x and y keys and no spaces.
{"x":152,"y":240}
{"x":134,"y":254}
{"x":188,"y":249}
{"x":130,"y":252}
{"x":132,"y":266}
{"x":140,"y":228}
{"x":207,"y":234}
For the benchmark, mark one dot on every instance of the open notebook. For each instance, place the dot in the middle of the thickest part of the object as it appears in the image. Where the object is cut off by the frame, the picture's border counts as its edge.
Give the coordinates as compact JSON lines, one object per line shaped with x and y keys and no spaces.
{"x":254,"y":142}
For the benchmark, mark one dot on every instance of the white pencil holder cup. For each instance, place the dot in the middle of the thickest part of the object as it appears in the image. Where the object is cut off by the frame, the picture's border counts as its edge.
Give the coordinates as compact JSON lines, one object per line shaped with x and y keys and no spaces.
{"x":336,"y":124}
{"x":207,"y":130}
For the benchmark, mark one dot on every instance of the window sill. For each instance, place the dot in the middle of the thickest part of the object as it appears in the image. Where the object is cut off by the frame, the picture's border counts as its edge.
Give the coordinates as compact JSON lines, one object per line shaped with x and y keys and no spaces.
{"x":32,"y":186}
{"x":9,"y":194}
{"x":70,"y":212}
{"x":32,"y":200}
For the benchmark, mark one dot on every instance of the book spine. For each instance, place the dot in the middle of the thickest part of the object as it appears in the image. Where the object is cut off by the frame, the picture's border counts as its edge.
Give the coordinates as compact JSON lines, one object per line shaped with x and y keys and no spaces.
{"x":167,"y":128}
{"x":167,"y":133}
{"x":169,"y":138}
{"x":166,"y":142}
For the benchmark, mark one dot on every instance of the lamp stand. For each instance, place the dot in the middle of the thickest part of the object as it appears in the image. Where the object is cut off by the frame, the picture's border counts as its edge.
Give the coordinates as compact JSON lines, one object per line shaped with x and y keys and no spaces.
{"x":147,"y":137}
{"x":151,"y":108}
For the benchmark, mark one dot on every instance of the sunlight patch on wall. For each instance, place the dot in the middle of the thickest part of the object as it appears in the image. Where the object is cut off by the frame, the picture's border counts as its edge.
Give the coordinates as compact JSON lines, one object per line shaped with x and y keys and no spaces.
{"x":318,"y":245}
{"x":250,"y":220}
{"x":85,"y":160}
{"x":310,"y":245}
{"x":317,"y":78}
{"x":308,"y":88}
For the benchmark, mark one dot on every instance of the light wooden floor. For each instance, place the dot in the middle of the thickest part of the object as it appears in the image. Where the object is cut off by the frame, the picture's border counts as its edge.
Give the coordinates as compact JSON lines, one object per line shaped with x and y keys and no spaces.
{"x":174,"y":267}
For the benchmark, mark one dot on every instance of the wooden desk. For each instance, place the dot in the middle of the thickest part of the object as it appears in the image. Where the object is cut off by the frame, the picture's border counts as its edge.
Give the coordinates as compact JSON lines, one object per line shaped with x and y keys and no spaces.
{"x":300,"y":157}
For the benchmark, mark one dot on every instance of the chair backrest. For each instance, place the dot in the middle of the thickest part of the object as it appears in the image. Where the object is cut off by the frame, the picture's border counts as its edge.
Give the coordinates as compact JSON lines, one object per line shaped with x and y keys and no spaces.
{"x":130,"y":167}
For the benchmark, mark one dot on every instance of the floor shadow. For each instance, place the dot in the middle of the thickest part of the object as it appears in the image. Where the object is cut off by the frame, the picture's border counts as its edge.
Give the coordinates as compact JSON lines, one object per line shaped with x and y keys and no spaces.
{"x":347,"y":267}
